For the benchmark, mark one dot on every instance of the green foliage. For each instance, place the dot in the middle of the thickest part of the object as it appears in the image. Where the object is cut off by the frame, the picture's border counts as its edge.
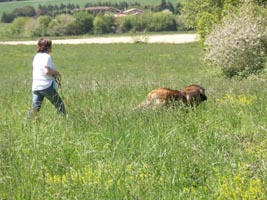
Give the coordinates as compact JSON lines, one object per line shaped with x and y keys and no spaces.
{"x":239,"y":45}
{"x":121,"y":5}
{"x":165,"y":5}
{"x":5,"y":30}
{"x":54,"y":10}
{"x":32,"y":28}
{"x":104,"y":24}
{"x":241,"y":185}
{"x":44,"y":23}
{"x":9,"y":7}
{"x":196,"y":12}
{"x":140,"y":22}
{"x":126,"y":23}
{"x":165,"y":20}
{"x":192,"y":9}
{"x":162,"y":21}
{"x":27,"y":11}
{"x":204,"y":25}
{"x":149,"y":21}
{"x":83,"y":22}
{"x":18,"y":26}
{"x":61,"y":25}
{"x":7,"y":17}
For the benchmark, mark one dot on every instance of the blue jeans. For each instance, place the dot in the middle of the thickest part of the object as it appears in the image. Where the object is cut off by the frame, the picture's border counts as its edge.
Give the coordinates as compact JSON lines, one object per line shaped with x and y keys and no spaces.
{"x":52,"y":95}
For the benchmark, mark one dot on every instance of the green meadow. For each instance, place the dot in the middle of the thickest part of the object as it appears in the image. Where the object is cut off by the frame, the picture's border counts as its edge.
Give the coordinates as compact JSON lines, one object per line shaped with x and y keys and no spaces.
{"x":107,"y":148}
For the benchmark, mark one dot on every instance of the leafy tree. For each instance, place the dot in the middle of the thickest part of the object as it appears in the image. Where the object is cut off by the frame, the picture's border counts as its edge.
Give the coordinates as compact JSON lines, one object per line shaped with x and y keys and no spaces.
{"x":135,"y":23}
{"x":121,"y":5}
{"x":42,"y":10}
{"x":238,"y":45}
{"x":141,"y":22}
{"x":54,"y":10}
{"x":83,"y":22}
{"x":44,"y":22}
{"x":7,"y":17}
{"x":193,"y":9}
{"x":149,"y":21}
{"x":162,"y":21}
{"x":62,"y":6}
{"x":126,"y":23}
{"x":61,"y":25}
{"x":261,"y":2}
{"x":202,"y":15}
{"x":104,"y":24}
{"x":17,"y":26}
{"x":164,"y":6}
{"x":170,"y":7}
{"x":178,"y":8}
{"x":204,"y":25}
{"x":32,"y":28}
{"x":26,"y":11}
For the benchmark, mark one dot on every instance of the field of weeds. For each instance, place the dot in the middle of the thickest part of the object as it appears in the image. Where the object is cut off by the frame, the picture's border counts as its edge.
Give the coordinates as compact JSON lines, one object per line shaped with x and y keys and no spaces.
{"x":108,"y":149}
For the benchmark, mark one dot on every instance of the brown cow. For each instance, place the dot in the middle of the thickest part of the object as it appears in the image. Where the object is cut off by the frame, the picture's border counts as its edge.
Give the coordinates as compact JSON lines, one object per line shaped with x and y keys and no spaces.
{"x":162,"y":97}
{"x":191,"y":95}
{"x":194,"y":95}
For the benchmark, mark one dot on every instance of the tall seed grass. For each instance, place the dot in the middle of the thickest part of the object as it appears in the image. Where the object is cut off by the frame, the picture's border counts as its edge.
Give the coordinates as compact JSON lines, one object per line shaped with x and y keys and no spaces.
{"x":108,"y":149}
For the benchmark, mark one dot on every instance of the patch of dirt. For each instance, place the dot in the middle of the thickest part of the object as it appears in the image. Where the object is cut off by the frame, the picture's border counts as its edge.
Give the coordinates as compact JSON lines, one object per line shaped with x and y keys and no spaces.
{"x":170,"y":38}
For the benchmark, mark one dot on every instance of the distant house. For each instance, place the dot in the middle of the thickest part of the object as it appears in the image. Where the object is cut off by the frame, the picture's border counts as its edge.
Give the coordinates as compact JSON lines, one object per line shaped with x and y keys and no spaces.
{"x":103,"y":9}
{"x":115,"y":11}
{"x":133,"y":11}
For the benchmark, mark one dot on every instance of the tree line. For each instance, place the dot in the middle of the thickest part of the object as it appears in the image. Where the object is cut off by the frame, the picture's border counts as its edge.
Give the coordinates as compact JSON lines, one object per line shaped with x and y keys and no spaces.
{"x":54,"y":20}
{"x":86,"y":23}
{"x":54,"y":10}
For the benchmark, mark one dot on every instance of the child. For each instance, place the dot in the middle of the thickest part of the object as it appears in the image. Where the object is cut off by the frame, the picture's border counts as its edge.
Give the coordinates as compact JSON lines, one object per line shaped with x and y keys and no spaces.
{"x":44,"y":75}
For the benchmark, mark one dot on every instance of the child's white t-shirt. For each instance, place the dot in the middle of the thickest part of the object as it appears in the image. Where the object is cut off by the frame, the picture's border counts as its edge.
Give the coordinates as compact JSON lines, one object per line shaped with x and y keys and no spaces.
{"x":41,"y":81}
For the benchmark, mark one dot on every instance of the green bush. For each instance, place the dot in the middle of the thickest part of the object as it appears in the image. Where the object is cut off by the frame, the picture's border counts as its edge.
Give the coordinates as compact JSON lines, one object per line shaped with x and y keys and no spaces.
{"x":162,"y":21}
{"x":61,"y":25}
{"x":126,"y":23}
{"x":140,"y":22}
{"x":83,"y":22}
{"x":193,"y":10}
{"x":18,"y":26}
{"x":7,"y":17}
{"x":239,"y":44}
{"x":44,"y":22}
{"x":104,"y":24}
{"x":204,"y":25}
{"x":159,"y":21}
{"x":32,"y":28}
{"x":26,"y":11}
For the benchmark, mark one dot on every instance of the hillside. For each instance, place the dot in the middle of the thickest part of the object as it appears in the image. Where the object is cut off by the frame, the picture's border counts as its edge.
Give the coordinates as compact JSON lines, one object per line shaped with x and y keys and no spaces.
{"x":10,"y":6}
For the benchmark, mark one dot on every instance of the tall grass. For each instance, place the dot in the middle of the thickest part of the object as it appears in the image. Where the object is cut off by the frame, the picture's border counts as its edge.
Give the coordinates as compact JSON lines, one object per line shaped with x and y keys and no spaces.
{"x":108,"y":149}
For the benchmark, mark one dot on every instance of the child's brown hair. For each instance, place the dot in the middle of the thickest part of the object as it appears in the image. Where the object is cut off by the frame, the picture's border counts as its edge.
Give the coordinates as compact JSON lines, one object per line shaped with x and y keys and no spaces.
{"x":44,"y":45}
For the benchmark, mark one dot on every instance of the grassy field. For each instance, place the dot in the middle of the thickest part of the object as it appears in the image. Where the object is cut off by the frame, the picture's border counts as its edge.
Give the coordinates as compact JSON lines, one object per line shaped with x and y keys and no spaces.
{"x":107,"y":149}
{"x":10,"y":6}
